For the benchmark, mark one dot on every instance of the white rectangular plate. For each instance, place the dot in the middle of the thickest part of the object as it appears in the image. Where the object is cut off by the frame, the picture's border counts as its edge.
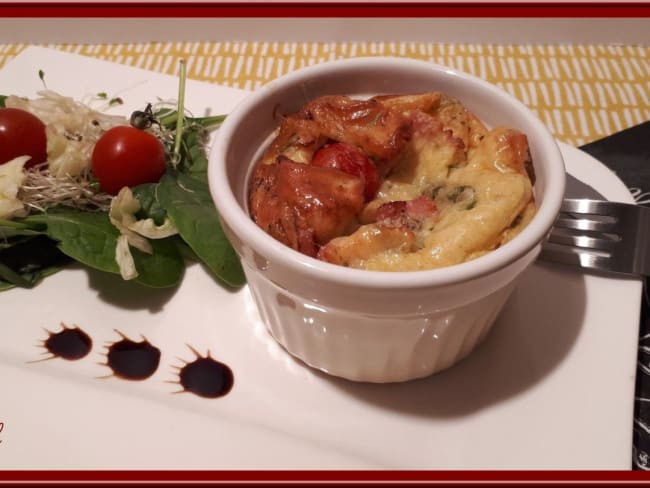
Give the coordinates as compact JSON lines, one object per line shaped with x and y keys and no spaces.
{"x":552,"y":387}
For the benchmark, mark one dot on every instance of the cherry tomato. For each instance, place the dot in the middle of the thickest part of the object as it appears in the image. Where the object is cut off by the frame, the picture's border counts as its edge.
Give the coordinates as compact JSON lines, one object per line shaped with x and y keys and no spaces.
{"x":22,"y":134}
{"x":351,"y":160}
{"x":126,"y":156}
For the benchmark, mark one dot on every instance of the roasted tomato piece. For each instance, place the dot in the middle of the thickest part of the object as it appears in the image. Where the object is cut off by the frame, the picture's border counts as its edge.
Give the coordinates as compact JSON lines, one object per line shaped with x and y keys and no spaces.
{"x":305,"y":206}
{"x":351,"y":160}
{"x":410,"y":213}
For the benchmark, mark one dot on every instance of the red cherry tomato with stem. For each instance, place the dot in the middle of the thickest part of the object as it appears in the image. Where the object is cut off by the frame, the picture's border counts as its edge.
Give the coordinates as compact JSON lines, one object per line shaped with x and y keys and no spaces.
{"x":351,"y":160}
{"x":126,"y":156}
{"x":22,"y":134}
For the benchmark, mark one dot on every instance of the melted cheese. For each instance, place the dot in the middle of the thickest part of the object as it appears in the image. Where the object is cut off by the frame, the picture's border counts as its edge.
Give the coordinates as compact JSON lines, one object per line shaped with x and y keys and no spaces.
{"x":489,"y":167}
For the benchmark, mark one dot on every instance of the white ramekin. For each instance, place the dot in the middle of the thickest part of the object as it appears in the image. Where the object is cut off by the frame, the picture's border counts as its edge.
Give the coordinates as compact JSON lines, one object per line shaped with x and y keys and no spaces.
{"x":368,"y":325}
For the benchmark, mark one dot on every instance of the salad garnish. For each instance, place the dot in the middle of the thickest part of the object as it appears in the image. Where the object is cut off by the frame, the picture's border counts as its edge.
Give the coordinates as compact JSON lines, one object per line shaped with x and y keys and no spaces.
{"x":124,"y":195}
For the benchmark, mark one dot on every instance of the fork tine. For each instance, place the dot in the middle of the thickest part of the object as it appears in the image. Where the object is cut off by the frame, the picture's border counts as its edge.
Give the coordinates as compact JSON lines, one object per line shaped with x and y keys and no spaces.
{"x":575,"y":257}
{"x":582,"y":241}
{"x":586,"y":224}
{"x":593,"y":207}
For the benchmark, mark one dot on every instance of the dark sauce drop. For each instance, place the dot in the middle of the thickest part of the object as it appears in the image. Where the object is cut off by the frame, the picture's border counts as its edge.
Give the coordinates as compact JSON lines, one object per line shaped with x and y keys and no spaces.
{"x":71,"y":343}
{"x":132,"y":360}
{"x":206,"y":377}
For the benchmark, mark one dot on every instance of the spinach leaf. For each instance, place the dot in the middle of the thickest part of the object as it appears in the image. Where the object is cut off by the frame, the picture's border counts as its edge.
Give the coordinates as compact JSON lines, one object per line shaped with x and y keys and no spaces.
{"x":164,"y":268}
{"x":191,"y":209}
{"x":91,"y":239}
{"x":2,"y":104}
{"x":8,"y":274}
{"x":6,"y":285}
{"x":194,"y":156}
{"x":87,"y":237}
{"x":185,"y":250}
{"x":10,"y":228}
{"x":146,"y":194}
{"x":6,"y":243}
{"x":25,"y":261}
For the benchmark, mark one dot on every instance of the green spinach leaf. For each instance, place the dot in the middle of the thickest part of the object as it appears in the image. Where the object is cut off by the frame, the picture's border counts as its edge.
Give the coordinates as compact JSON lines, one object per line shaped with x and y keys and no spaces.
{"x":194,"y":155}
{"x":11,"y":228}
{"x":146,"y":194}
{"x":26,"y":260}
{"x":192,"y":210}
{"x":91,"y":239}
{"x":6,"y":285}
{"x":164,"y":268}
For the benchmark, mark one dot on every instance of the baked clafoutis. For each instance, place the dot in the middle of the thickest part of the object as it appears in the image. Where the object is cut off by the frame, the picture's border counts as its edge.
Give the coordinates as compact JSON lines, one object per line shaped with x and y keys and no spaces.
{"x":392,"y":182}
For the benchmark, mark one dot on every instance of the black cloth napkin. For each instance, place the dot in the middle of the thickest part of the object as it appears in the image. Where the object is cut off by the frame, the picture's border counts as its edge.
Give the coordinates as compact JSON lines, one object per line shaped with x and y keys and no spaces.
{"x":627,"y":153}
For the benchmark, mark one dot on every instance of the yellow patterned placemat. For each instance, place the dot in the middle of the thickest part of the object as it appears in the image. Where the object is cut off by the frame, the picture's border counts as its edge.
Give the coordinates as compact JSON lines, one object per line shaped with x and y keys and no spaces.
{"x":581,"y":92}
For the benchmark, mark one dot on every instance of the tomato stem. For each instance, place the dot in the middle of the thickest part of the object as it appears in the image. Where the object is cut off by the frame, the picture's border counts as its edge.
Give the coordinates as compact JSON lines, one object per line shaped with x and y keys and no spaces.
{"x":180,"y":115}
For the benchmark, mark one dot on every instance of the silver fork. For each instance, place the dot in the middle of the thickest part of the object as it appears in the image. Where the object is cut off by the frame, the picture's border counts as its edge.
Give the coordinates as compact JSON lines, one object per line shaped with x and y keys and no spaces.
{"x":604,"y":236}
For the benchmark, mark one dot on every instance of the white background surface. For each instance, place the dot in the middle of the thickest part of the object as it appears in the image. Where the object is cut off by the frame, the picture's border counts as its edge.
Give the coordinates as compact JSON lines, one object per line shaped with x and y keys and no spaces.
{"x":551,"y":387}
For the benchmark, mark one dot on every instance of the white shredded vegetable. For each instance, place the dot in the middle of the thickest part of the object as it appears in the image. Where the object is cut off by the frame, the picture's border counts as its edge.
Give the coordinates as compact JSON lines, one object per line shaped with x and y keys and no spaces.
{"x":148,"y":228}
{"x":12,"y":177}
{"x":122,"y":215}
{"x":124,"y":259}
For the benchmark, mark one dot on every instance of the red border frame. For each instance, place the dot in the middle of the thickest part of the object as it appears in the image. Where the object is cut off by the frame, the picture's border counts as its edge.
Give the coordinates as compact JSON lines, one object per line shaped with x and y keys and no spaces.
{"x":322,"y":9}
{"x":334,"y":10}
{"x":601,"y":478}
